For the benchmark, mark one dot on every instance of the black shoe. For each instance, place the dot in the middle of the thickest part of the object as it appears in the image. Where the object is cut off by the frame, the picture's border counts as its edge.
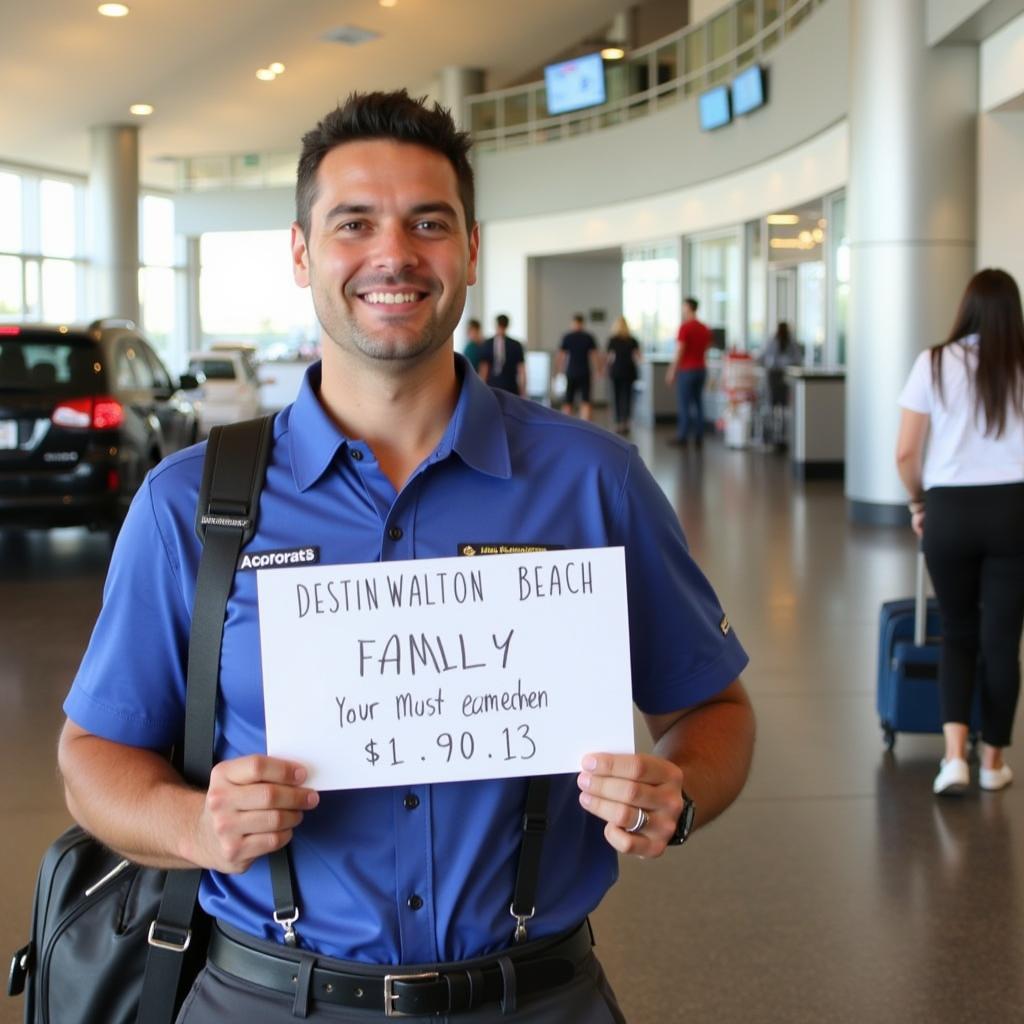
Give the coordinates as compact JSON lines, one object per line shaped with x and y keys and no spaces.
{"x":679,"y":442}
{"x":699,"y":441}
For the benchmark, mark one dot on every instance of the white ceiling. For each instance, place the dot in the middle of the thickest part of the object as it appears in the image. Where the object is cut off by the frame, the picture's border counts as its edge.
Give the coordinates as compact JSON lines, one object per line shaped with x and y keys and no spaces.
{"x":64,"y":68}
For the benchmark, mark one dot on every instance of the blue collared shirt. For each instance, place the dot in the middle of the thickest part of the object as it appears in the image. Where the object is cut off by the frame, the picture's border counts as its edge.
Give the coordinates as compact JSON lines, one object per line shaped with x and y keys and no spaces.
{"x":380,"y":877}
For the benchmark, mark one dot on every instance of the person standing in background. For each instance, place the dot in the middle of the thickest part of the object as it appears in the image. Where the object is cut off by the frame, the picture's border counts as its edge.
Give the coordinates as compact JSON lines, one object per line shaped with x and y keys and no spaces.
{"x":623,"y":356}
{"x":779,"y":354}
{"x":503,"y":361}
{"x":474,"y":343}
{"x":688,"y":372}
{"x":965,"y":397}
{"x":576,"y":359}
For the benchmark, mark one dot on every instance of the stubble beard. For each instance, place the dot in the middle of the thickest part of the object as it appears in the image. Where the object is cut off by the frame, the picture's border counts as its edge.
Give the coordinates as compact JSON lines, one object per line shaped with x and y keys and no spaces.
{"x":391,"y":345}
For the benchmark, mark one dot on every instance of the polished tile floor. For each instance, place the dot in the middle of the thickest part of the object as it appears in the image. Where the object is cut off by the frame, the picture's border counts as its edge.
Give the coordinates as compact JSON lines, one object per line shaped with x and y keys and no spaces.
{"x":837,"y":889}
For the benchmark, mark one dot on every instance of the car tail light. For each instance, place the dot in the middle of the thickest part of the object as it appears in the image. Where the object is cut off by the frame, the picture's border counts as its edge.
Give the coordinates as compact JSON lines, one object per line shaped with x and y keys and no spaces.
{"x":9,"y":330}
{"x":102,"y":413}
{"x":107,"y":413}
{"x":113,"y":480}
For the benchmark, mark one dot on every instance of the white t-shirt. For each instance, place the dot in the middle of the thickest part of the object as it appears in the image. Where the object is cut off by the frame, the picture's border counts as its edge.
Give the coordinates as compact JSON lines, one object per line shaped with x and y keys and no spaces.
{"x":959,"y":453}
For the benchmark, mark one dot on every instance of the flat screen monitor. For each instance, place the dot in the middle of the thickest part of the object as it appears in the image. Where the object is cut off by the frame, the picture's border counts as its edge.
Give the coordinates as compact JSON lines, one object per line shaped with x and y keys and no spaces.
{"x":575,"y":84}
{"x":714,"y":108}
{"x":748,"y":90}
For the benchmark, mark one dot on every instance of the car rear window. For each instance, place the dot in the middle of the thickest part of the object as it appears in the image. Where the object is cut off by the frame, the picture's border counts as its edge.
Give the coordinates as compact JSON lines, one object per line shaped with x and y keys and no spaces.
{"x":48,"y":366}
{"x":213,"y":369}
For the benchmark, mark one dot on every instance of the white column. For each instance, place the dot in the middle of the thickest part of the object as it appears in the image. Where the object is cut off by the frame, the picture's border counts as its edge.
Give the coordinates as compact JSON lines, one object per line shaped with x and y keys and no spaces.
{"x":114,"y":220}
{"x":913,"y":111}
{"x":455,"y":85}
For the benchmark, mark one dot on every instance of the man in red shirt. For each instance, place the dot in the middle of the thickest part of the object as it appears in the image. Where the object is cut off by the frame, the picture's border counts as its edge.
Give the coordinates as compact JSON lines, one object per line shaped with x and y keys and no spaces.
{"x":688,"y":372}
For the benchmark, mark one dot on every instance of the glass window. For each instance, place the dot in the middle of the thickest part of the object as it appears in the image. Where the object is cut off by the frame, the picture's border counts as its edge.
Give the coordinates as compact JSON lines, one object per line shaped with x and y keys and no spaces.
{"x":161,"y":378}
{"x":650,"y":293}
{"x":757,"y":278}
{"x":11,"y":298}
{"x":716,"y":282}
{"x":10,"y":212}
{"x":840,"y":245}
{"x":213,"y":369}
{"x":59,"y":291}
{"x":32,"y":309}
{"x":57,"y":218}
{"x":746,"y":21}
{"x":157,"y":231}
{"x":721,"y":35}
{"x":517,"y":109}
{"x":483,"y":116}
{"x":132,"y":369}
{"x":667,"y":58}
{"x":695,"y":58}
{"x":156,"y":299}
{"x":268,"y":309}
{"x":810,"y":290}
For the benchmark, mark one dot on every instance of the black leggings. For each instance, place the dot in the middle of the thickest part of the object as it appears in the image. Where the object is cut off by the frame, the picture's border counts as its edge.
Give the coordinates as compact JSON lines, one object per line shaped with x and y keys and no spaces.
{"x":623,"y":395}
{"x":974,"y":547}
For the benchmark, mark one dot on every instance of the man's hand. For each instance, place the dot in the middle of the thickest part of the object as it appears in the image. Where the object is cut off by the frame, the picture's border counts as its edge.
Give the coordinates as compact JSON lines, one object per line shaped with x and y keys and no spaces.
{"x":251,"y":808}
{"x":615,"y":787}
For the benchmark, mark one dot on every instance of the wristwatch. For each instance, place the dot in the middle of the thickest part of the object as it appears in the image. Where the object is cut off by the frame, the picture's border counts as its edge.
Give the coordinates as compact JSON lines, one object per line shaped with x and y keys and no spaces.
{"x":684,"y":826}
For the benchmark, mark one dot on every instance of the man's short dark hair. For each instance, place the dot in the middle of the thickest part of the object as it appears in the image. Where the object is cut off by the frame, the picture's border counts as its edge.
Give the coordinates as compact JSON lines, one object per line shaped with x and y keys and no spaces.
{"x":691,"y":302}
{"x":473,"y":323}
{"x":384,"y":115}
{"x":501,"y":320}
{"x":577,"y":318}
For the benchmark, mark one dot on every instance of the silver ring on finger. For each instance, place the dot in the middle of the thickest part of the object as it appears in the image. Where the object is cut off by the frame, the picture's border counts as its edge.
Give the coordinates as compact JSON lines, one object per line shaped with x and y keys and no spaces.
{"x":641,"y":822}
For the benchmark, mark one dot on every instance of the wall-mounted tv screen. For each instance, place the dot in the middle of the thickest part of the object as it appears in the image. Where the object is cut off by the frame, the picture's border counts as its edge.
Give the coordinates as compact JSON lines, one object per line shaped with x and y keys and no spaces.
{"x":748,"y":90}
{"x":575,"y":84}
{"x":714,"y":108}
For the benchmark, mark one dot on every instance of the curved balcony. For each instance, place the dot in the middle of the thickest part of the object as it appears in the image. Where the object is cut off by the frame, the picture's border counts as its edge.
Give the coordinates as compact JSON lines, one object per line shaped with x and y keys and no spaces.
{"x":649,"y":79}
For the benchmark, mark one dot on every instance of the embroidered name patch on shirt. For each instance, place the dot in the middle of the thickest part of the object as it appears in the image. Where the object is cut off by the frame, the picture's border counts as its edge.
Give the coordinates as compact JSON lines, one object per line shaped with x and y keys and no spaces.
{"x":468,"y":548}
{"x":279,"y":559}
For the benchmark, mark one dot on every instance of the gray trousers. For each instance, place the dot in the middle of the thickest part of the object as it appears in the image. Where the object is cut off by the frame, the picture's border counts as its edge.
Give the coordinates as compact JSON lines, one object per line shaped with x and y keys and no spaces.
{"x":221,"y":998}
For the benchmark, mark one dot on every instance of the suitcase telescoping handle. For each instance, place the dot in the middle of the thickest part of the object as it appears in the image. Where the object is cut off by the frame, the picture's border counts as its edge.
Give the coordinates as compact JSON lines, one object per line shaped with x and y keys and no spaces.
{"x":920,"y":601}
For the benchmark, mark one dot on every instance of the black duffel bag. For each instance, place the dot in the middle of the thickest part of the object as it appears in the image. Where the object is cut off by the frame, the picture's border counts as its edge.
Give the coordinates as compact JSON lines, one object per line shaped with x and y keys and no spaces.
{"x":113,"y":942}
{"x":86,"y":956}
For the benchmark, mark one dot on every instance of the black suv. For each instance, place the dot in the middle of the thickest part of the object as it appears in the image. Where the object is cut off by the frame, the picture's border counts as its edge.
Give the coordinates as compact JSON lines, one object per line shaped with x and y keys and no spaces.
{"x":84,"y":414}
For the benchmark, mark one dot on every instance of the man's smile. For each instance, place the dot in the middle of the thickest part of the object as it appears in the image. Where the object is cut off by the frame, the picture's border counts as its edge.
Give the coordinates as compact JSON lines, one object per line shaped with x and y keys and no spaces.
{"x":382,"y":298}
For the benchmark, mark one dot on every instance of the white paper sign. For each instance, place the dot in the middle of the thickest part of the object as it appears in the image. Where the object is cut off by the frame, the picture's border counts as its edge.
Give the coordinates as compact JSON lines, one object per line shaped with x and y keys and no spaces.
{"x":446,"y":669}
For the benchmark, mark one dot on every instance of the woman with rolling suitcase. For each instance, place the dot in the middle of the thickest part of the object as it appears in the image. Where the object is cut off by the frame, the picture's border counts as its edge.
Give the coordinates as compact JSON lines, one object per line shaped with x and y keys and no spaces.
{"x":965,"y":397}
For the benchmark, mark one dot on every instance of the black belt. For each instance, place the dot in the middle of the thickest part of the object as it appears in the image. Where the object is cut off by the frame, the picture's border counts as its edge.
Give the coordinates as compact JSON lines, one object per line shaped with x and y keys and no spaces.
{"x":405,"y":991}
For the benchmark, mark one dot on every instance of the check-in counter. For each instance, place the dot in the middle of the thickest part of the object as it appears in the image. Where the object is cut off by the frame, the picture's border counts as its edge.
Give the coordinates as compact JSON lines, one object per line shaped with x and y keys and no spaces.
{"x":818,"y":406}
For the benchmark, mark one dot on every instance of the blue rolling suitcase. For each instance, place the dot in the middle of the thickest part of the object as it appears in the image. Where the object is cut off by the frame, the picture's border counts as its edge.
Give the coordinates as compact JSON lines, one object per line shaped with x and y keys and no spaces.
{"x":908,"y":666}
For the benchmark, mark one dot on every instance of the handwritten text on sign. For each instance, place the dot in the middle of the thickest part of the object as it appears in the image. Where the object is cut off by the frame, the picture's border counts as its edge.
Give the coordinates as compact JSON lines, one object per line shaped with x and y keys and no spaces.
{"x":446,"y":669}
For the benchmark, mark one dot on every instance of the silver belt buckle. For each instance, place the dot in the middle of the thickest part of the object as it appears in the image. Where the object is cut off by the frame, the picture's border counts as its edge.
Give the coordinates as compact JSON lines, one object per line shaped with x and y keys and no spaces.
{"x":391,"y":997}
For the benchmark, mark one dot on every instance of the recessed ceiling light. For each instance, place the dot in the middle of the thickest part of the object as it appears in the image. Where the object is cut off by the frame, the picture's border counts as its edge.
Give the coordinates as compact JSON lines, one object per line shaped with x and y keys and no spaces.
{"x":783,"y":218}
{"x":113,"y":10}
{"x":265,"y":75}
{"x":142,"y":109}
{"x":277,"y":67}
{"x":613,"y":53}
{"x":388,"y":3}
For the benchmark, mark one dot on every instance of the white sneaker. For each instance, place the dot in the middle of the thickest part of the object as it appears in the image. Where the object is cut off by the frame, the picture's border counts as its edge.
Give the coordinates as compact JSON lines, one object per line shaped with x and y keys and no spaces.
{"x":995,"y":778}
{"x":953,"y":778}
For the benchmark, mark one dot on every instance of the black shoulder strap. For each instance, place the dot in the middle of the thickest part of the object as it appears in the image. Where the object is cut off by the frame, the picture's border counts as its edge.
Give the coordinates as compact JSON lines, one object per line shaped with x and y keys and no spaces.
{"x":535,"y":824}
{"x":226,"y":515}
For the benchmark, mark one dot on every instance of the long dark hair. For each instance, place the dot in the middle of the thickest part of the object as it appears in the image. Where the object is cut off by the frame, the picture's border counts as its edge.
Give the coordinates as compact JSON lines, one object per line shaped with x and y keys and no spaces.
{"x":991,"y":308}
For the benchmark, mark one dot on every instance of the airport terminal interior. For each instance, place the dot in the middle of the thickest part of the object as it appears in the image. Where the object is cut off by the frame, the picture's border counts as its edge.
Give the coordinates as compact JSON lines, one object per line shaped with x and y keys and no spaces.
{"x":843,"y":166}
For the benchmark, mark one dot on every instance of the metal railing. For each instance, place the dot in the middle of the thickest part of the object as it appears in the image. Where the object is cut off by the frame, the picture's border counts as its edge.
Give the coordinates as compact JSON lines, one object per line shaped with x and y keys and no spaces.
{"x":646,"y":80}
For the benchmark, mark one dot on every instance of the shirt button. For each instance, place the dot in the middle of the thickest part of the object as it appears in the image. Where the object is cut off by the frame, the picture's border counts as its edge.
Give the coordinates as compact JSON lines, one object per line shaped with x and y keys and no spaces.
{"x":356,"y":454}
{"x":411,"y":801}
{"x":415,"y":902}
{"x":395,"y":533}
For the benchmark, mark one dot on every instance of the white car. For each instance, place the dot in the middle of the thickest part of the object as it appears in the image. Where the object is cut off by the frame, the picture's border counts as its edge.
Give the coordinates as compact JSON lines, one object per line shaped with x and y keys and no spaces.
{"x":229,"y":389}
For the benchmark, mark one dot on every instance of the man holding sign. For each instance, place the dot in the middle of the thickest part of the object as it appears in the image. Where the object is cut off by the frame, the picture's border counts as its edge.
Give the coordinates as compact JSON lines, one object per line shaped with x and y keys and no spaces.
{"x":369,"y":622}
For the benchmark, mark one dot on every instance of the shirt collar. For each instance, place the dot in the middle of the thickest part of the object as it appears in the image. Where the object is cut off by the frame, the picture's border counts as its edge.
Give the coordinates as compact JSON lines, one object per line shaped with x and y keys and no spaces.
{"x":476,"y":431}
